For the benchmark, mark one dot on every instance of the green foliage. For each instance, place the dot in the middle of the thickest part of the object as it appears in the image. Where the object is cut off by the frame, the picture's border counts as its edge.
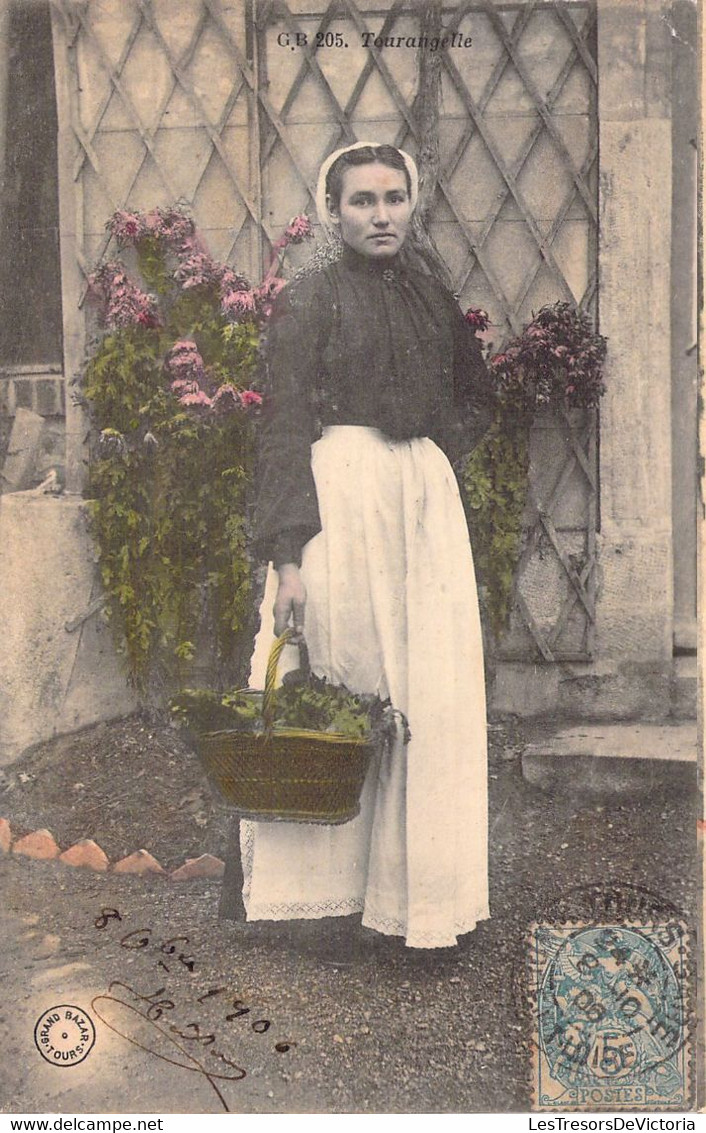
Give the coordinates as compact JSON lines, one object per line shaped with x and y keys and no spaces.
{"x":314,"y":705}
{"x":152,"y":264}
{"x":168,"y":483}
{"x":556,"y":361}
{"x":495,"y":484}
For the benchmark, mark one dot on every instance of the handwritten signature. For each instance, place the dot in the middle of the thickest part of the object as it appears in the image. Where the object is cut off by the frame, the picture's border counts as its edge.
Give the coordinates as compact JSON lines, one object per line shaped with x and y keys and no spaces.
{"x":143,"y":1019}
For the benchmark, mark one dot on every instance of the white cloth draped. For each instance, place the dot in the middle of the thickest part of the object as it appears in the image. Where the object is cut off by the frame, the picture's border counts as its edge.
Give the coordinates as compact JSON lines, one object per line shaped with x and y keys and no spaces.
{"x":392,"y":608}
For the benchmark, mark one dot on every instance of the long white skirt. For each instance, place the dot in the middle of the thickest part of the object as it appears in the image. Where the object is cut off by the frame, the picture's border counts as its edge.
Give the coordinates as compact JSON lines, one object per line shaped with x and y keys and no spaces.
{"x":392,"y":609}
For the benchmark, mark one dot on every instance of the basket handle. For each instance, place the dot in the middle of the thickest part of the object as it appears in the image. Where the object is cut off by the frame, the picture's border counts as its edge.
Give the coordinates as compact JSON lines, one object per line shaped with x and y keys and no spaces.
{"x":269,"y":699}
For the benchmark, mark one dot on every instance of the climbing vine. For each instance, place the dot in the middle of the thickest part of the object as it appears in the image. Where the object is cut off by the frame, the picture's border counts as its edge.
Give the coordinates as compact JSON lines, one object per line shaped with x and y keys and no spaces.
{"x":557,"y":361}
{"x":169,"y":385}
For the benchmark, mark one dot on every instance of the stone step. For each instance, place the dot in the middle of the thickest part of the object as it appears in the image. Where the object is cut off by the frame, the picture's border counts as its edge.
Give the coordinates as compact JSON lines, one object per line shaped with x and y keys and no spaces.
{"x":684,"y":687}
{"x":609,"y":759}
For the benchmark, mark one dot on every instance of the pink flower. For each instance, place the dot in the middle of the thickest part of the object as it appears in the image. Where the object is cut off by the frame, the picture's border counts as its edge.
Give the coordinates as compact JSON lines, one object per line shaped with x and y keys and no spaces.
{"x":266,"y":294}
{"x":184,"y":346}
{"x":103,"y":279}
{"x":227,"y":397}
{"x":126,"y":227}
{"x":477,"y":318}
{"x":250,"y":397}
{"x":199,"y":398}
{"x":185,"y":364}
{"x":134,"y":307}
{"x":183,"y":385}
{"x":298,"y":230}
{"x":148,"y":318}
{"x":231,"y":281}
{"x":197,"y":269}
{"x":171,"y":225}
{"x":238,"y":303}
{"x":124,"y":304}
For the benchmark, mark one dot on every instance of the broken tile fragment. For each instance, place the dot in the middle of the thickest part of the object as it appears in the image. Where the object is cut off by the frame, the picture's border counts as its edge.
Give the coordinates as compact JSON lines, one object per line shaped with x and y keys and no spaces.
{"x":39,"y":844}
{"x":140,"y":862}
{"x":204,"y":866}
{"x":5,"y":836}
{"x":85,"y":854}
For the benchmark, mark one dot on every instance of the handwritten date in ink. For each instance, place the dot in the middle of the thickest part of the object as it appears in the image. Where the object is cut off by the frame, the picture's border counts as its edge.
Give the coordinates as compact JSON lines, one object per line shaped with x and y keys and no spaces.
{"x":141,"y":938}
{"x":167,"y":1027}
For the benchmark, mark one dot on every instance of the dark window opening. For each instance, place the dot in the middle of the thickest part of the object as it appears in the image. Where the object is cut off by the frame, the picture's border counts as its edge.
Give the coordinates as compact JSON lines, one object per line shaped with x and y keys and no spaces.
{"x":30,"y":279}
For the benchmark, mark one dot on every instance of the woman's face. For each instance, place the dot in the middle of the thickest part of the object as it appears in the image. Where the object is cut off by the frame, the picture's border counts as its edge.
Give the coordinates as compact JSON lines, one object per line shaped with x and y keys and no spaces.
{"x":375,"y":209}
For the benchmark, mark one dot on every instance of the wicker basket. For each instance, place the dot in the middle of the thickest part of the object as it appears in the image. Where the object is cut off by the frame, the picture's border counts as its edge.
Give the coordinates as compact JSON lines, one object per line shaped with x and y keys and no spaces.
{"x":286,"y":776}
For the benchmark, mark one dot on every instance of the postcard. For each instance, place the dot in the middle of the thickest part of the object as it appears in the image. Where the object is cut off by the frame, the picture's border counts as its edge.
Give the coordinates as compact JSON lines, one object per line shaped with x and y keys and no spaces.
{"x":349,"y":355}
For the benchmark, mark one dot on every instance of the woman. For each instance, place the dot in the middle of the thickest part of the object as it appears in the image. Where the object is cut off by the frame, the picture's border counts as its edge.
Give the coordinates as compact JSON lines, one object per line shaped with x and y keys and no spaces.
{"x":367,"y":536}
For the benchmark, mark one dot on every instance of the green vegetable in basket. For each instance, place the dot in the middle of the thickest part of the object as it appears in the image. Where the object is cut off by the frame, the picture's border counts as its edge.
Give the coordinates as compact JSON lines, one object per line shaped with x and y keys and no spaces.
{"x":313,"y":705}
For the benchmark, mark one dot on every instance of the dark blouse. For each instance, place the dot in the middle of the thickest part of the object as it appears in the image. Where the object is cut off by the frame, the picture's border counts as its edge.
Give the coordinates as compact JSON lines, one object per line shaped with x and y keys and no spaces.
{"x":361,"y":342}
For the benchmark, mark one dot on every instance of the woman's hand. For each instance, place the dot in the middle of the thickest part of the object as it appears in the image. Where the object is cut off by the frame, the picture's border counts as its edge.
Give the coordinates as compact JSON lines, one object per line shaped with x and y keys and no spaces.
{"x":290,"y":600}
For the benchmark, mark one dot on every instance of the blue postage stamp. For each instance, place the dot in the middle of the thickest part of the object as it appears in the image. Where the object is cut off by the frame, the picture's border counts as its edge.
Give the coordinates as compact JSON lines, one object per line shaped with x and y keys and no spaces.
{"x":611,"y":1018}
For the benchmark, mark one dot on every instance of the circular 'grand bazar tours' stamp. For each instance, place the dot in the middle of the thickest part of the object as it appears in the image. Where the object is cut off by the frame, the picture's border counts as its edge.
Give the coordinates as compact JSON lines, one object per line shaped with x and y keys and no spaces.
{"x":64,"y":1035}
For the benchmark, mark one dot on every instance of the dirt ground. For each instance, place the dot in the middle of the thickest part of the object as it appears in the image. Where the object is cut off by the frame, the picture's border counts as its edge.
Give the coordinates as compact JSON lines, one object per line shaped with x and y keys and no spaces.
{"x":131,"y":784}
{"x":369,"y":1025}
{"x":134,"y":784}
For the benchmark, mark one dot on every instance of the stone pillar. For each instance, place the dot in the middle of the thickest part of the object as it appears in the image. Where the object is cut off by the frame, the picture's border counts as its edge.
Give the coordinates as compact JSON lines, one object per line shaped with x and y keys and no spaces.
{"x":635,"y":597}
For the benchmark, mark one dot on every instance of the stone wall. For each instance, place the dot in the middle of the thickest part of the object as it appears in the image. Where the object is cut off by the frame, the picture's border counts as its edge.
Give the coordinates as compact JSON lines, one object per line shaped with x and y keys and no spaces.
{"x":58,"y":669}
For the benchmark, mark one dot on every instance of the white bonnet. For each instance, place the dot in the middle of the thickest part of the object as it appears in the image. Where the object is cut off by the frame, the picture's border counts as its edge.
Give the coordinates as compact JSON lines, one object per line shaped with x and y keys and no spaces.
{"x":325,"y":217}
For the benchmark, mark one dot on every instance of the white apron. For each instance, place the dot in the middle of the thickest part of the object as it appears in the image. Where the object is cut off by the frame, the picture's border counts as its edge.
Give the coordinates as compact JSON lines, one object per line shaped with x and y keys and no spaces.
{"x":392,"y":608}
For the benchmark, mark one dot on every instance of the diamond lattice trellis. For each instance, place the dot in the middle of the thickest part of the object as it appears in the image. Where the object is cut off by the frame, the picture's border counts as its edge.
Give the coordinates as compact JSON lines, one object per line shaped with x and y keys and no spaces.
{"x":207,"y":102}
{"x":163,"y":111}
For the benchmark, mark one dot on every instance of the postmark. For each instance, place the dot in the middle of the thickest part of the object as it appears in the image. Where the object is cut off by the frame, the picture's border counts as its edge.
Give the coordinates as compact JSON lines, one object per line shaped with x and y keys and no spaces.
{"x":610,"y":901}
{"x":64,"y":1035}
{"x":610,"y":1016}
